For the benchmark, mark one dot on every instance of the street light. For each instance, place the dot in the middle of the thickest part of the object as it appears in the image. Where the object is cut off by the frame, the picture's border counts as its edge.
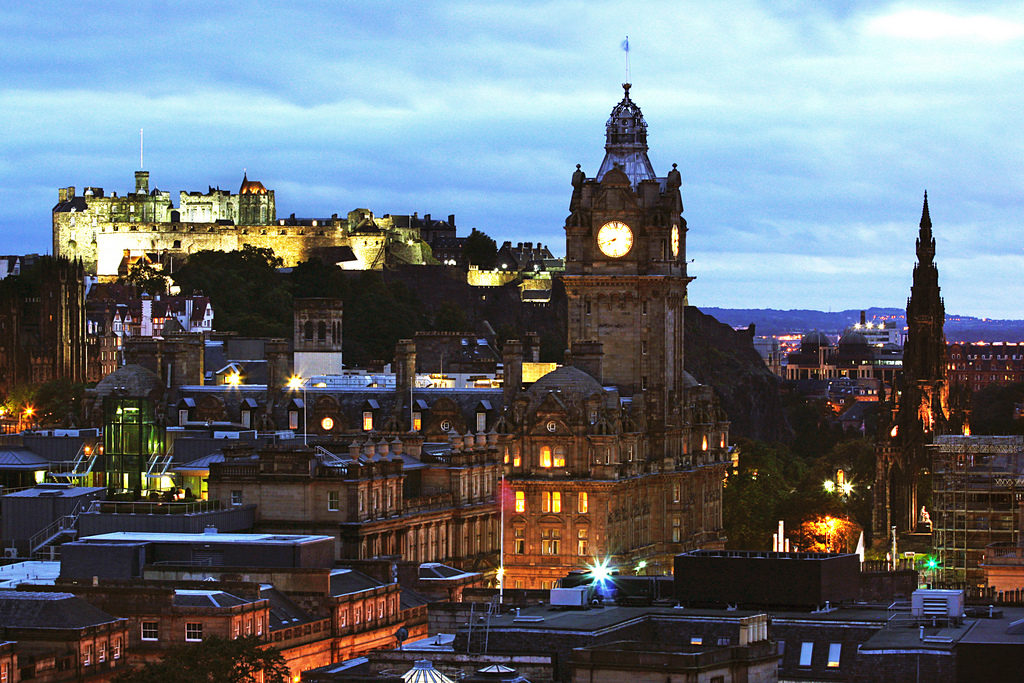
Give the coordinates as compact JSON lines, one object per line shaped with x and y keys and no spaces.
{"x":294,"y":382}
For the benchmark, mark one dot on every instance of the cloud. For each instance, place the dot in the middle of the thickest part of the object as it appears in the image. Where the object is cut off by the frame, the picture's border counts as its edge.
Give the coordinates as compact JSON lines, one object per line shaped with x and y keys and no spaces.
{"x":921,"y":24}
{"x":805,"y":134}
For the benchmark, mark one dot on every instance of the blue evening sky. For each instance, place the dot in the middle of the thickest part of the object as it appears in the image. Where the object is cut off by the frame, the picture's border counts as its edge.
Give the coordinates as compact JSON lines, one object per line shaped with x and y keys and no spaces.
{"x":805,"y":132}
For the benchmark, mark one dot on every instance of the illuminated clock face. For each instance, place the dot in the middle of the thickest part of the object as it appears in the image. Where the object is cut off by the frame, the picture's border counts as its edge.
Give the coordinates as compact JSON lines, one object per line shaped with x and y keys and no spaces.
{"x":615,"y":239}
{"x":675,"y":241}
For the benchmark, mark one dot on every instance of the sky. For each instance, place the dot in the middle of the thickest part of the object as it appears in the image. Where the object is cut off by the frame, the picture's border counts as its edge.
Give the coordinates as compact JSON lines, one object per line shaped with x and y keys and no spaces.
{"x":806,"y":132}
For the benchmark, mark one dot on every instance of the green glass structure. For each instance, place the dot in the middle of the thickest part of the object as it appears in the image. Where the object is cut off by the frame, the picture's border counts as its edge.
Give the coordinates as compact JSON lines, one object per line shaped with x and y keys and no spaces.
{"x":131,"y":438}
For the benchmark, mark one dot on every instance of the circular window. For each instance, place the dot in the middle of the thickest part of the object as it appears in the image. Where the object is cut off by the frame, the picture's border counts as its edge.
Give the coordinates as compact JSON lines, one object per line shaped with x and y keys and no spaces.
{"x":552,"y":425}
{"x":327,"y":424}
{"x":446,"y":426}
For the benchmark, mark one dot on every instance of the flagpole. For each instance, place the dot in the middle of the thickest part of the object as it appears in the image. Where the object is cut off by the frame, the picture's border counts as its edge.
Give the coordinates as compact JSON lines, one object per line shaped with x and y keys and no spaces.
{"x":625,"y":47}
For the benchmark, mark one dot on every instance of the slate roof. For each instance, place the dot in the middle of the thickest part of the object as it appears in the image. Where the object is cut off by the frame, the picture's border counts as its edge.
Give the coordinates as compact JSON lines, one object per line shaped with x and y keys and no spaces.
{"x":409,"y":598}
{"x":21,"y":459}
{"x":345,"y":581}
{"x":283,"y":612}
{"x":137,"y":381}
{"x":25,"y":609}
{"x":76,"y":203}
{"x":202,"y":598}
{"x":570,"y":383}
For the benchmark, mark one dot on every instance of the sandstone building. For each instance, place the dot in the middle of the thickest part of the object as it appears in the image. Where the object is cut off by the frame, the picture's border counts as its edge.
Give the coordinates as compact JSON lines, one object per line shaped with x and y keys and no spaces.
{"x":619,"y":456}
{"x":104,"y":230}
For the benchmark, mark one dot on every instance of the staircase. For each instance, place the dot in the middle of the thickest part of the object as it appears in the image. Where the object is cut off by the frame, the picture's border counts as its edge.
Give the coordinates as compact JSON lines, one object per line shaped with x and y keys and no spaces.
{"x":43,"y":544}
{"x":73,"y":471}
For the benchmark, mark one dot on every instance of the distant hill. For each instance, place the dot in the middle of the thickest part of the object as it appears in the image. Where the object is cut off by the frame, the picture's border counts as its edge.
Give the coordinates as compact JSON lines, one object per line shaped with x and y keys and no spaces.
{"x":771,"y":321}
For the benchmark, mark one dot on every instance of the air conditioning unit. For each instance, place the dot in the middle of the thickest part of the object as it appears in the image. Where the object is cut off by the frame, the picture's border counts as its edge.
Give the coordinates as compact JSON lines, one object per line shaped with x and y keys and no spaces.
{"x":10,"y":553}
{"x":937,"y":604}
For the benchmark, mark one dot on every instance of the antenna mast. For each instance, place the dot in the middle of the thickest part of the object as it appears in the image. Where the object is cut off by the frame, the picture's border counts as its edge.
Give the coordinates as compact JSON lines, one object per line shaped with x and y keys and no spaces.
{"x":141,"y":165}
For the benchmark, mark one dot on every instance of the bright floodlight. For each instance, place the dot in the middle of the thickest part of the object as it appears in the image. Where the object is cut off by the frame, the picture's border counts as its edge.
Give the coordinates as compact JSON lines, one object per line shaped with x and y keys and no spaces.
{"x":294,"y":382}
{"x":847,"y":488}
{"x":829,"y":485}
{"x":600,"y":571}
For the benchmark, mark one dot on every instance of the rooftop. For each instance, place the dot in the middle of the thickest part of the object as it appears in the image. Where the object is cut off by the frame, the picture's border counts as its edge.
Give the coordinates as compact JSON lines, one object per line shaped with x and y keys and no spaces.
{"x":154,"y":537}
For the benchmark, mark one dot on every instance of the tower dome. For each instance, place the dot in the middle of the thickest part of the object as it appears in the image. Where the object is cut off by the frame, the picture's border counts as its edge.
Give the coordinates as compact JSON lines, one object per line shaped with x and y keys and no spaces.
{"x":626,"y":142}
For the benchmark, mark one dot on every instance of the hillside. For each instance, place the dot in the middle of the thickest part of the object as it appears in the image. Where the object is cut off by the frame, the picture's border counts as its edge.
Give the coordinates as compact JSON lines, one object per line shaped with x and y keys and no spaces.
{"x":770,"y":321}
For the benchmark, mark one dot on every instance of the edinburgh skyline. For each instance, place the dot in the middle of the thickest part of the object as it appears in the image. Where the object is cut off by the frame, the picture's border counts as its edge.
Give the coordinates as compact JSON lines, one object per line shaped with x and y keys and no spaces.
{"x":805,"y":136}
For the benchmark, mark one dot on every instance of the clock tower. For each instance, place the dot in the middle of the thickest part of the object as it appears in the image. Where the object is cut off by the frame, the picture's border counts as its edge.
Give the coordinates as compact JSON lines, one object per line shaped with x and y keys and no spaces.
{"x":626,"y":272}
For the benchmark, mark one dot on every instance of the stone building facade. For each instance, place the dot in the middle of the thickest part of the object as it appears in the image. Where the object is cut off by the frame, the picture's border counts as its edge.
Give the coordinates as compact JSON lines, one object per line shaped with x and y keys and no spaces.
{"x":42,"y":324}
{"x":103,"y":230}
{"x":618,"y":457}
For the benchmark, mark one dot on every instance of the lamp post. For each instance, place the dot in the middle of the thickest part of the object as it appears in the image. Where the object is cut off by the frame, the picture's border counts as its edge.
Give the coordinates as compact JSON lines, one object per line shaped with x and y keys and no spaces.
{"x":294,"y":383}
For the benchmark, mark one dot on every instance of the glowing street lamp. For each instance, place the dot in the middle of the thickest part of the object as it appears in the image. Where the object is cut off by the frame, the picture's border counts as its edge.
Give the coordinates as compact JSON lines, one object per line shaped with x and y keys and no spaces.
{"x":295,"y":382}
{"x":234,"y":379}
{"x":829,"y":486}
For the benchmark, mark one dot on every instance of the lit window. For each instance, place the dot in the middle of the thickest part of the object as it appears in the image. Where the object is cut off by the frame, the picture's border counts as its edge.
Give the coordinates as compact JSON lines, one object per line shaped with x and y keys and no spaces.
{"x":236,"y":627}
{"x":581,"y":503}
{"x":333,"y":500}
{"x":806,"y":651}
{"x":150,"y":630}
{"x":696,"y":640}
{"x":236,"y":497}
{"x":116,"y":650}
{"x":193,"y":631}
{"x":259,"y":625}
{"x":367,"y":420}
{"x":545,"y":501}
{"x":545,"y":456}
{"x":549,"y":541}
{"x":417,"y":421}
{"x":559,"y":457}
{"x":834,"y":650}
{"x":520,"y":501}
{"x":516,"y":460}
{"x":481,"y":422}
{"x":293,"y":419}
{"x":581,"y":542}
{"x":556,"y":501}
{"x":87,"y":655}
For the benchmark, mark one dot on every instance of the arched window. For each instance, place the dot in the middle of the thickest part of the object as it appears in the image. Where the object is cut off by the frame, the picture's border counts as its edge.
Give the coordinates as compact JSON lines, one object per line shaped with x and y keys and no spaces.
{"x":545,"y":456}
{"x":308,"y":330}
{"x":321,"y":331}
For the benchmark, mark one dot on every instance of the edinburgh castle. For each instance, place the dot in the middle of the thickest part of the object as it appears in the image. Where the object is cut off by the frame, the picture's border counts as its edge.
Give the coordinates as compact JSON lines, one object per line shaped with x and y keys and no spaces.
{"x":109,"y":231}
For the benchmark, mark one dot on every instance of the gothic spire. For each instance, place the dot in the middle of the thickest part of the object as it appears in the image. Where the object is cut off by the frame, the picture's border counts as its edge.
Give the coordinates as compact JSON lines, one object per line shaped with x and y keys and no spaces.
{"x":924,"y":352}
{"x":925,"y":240}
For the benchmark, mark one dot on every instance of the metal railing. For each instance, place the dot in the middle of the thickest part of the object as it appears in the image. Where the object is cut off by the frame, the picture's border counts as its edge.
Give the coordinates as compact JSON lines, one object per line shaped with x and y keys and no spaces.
{"x":63,"y":525}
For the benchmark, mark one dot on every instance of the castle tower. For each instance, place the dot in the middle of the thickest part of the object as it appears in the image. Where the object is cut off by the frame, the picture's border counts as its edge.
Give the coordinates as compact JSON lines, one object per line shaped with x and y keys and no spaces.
{"x":626,"y":269}
{"x":919,"y":408}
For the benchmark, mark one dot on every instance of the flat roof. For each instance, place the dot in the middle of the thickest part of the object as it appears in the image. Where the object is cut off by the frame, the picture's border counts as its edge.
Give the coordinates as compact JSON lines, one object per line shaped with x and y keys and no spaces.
{"x":155,"y":537}
{"x":32,"y":571}
{"x":54,"y":491}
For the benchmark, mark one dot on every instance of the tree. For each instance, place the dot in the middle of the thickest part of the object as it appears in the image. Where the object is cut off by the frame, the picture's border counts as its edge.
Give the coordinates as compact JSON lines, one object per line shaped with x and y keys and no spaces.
{"x":247,"y":294}
{"x":214,"y":660}
{"x":145,"y":278}
{"x":480,"y":250}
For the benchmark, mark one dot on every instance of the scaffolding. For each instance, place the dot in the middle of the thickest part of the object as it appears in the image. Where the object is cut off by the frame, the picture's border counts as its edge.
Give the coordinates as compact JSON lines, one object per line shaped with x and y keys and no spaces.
{"x":977,"y":486}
